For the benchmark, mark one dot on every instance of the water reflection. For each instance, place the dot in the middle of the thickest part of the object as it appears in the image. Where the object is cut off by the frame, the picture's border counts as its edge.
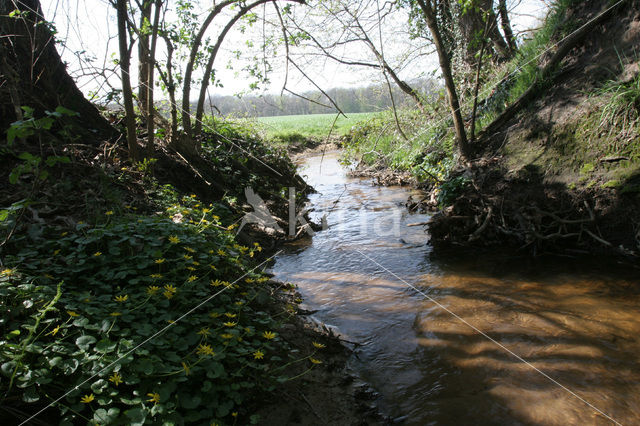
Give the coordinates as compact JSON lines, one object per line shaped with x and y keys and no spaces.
{"x":578,"y":325}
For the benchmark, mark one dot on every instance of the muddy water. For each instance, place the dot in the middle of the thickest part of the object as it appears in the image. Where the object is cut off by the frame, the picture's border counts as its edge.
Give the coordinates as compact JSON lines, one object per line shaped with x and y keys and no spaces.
{"x":576,"y":322}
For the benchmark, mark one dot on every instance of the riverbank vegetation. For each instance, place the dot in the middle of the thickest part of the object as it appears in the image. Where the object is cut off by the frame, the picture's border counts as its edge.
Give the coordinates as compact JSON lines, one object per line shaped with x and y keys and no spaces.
{"x":555,"y":158}
{"x":129,"y":296}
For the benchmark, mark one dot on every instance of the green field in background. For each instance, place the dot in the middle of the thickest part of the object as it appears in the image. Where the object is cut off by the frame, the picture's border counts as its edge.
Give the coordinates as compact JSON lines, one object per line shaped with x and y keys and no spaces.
{"x":314,"y":125}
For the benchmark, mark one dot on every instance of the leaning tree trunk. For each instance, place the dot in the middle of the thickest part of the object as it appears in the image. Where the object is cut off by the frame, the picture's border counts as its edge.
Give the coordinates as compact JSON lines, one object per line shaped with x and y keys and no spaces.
{"x":472,"y":22}
{"x":506,"y":26}
{"x":32,"y":73}
{"x":450,"y":85}
{"x":127,"y":94}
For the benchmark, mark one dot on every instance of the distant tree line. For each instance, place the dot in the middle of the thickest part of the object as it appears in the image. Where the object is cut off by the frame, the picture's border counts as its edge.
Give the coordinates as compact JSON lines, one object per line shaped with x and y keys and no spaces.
{"x":350,"y":100}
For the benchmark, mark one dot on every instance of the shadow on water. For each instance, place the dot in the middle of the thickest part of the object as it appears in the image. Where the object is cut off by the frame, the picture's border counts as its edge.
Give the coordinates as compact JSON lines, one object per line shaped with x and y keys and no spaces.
{"x":578,"y":321}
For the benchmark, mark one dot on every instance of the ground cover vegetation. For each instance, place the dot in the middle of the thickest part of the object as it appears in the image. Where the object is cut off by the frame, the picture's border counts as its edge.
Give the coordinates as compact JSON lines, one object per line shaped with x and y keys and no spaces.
{"x":114,"y":227}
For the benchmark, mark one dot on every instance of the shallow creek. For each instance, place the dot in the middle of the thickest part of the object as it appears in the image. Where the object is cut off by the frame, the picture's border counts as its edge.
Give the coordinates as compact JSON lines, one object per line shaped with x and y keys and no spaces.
{"x":576,"y":324}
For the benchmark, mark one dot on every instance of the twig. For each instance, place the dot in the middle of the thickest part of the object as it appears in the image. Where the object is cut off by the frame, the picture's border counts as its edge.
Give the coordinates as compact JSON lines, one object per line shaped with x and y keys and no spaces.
{"x":482,"y":227}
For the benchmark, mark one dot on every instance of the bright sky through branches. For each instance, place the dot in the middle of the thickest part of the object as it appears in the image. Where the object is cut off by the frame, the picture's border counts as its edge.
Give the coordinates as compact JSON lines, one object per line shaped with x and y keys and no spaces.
{"x":87,"y":29}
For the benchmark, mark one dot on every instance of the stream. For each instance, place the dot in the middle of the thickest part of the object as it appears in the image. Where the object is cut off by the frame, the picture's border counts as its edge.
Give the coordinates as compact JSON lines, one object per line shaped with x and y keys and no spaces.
{"x":439,"y":339}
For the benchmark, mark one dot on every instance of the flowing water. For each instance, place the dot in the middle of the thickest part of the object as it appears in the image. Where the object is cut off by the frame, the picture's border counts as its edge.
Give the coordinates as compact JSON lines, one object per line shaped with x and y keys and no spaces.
{"x":577,"y":325}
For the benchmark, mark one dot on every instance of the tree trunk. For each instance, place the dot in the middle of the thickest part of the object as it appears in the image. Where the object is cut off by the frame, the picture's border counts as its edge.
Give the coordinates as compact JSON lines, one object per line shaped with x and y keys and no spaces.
{"x":32,"y":73}
{"x":499,"y":44}
{"x":127,"y":94}
{"x":472,"y":22}
{"x":445,"y":66}
{"x":195,"y":46}
{"x":150,"y":75}
{"x":212,"y":57}
{"x":144,"y":61}
{"x":506,"y":26}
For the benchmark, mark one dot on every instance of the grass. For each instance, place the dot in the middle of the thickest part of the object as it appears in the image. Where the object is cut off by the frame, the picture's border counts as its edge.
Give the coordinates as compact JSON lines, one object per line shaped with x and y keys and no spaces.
{"x":313,"y":125}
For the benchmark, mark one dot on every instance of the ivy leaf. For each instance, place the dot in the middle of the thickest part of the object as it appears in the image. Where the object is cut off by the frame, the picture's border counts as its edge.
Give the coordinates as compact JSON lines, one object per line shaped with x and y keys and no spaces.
{"x":102,"y":416}
{"x":84,"y":342}
{"x":190,"y":402}
{"x":106,"y":346}
{"x":68,"y":366}
{"x":7,"y":368}
{"x":136,"y":416}
{"x":30,"y":395}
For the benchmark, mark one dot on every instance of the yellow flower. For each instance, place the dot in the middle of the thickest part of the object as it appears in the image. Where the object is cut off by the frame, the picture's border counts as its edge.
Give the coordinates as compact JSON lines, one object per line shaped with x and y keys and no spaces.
{"x":189,"y":249}
{"x":186,"y":369}
{"x":115,"y":314}
{"x":205,"y":210}
{"x":205,"y":350}
{"x":221,"y":252}
{"x":72,"y":313}
{"x":234,"y":414}
{"x":155,"y":397}
{"x":196,"y":263}
{"x":186,"y":256}
{"x":54,"y":331}
{"x":258,"y":355}
{"x":230,"y":324}
{"x":55,"y":252}
{"x":159,"y":261}
{"x":109,"y":213}
{"x":122,"y":298}
{"x":168,"y":294}
{"x":315,"y":361}
{"x":192,"y":278}
{"x":257,"y":246}
{"x":64,"y":234}
{"x":268,"y":335}
{"x":174,"y":239}
{"x":239,"y":302}
{"x":232,"y":226}
{"x":204,"y":331}
{"x":170,"y":288}
{"x":318,"y":345}
{"x":213,"y":267}
{"x":191,"y":268}
{"x":214,"y":314}
{"x":249,"y":280}
{"x":156,"y":275}
{"x":263,"y":279}
{"x":226,"y":336}
{"x":230,"y":315}
{"x":87,"y":399}
{"x":152,"y":289}
{"x":98,"y":253}
{"x":248,"y":330}
{"x":7,"y":272}
{"x":216,"y":283}
{"x":115,"y":378}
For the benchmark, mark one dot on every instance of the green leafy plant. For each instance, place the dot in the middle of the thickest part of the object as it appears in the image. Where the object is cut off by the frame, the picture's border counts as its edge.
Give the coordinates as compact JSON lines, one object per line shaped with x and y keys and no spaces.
{"x":154,"y":319}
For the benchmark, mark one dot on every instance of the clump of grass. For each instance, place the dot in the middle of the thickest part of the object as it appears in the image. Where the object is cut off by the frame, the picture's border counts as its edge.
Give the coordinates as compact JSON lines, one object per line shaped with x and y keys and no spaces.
{"x":623,"y":101}
{"x":428,"y":152}
{"x":525,"y":66}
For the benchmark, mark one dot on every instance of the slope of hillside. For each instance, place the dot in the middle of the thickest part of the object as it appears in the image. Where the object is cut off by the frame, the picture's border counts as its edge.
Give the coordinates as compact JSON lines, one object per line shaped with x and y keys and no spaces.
{"x":564,"y":171}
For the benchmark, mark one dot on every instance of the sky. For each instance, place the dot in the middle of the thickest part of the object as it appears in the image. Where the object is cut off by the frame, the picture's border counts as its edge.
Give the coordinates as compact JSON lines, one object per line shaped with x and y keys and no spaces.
{"x":88,"y":28}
